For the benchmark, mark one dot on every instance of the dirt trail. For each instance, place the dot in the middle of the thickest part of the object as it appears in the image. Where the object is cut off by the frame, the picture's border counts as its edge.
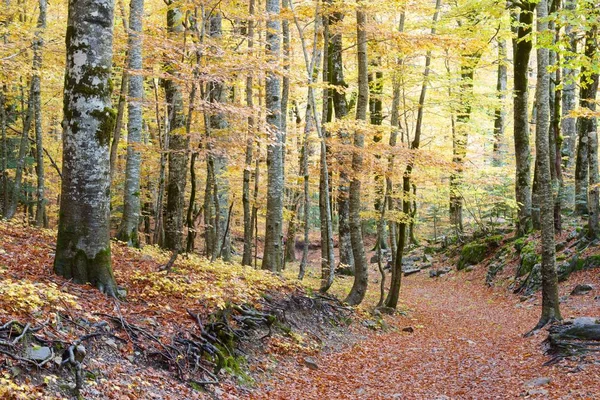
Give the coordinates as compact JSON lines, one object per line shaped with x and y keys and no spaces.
{"x":467,"y":344}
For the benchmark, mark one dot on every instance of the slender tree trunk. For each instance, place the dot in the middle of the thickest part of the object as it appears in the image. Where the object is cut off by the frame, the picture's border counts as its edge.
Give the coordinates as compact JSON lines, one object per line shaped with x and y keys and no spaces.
{"x":163,"y":145}
{"x":306,"y":202}
{"x":325,"y":210}
{"x":396,"y":278}
{"x":23,"y":150}
{"x":550,"y":304}
{"x":361,"y":272}
{"x":128,"y":231}
{"x":38,"y":44}
{"x":460,"y":138}
{"x":569,"y":94}
{"x":340,"y":105}
{"x":178,"y":145}
{"x":499,"y":150}
{"x":4,"y":160}
{"x":328,"y":258}
{"x":273,"y":251}
{"x":217,"y":159}
{"x":83,"y":242}
{"x":555,"y":93}
{"x":246,"y":203}
{"x":521,"y":51}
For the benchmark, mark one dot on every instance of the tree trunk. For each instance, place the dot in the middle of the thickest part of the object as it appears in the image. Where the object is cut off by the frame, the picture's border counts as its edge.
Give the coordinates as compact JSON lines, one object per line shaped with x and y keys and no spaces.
{"x":217,"y":159}
{"x":273,"y":250}
{"x":499,"y":150}
{"x":38,"y":44}
{"x":247,"y":252}
{"x":361,"y":272}
{"x":396,"y":278}
{"x":325,"y":210}
{"x":83,"y":242}
{"x":521,"y":51}
{"x":128,"y":231}
{"x":550,"y":305}
{"x":460,"y":138}
{"x":178,"y":146}
{"x":4,"y":165}
{"x":23,"y":150}
{"x":340,"y":106}
{"x":569,"y":94}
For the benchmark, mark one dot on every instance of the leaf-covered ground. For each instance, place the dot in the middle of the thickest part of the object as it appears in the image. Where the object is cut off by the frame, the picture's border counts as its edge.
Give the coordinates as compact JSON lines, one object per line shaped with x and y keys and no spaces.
{"x":466,"y":341}
{"x":467,"y":344}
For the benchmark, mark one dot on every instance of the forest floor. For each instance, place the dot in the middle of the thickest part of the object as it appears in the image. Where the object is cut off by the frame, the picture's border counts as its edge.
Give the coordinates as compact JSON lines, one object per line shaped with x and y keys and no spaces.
{"x":467,"y":342}
{"x":453,"y":337}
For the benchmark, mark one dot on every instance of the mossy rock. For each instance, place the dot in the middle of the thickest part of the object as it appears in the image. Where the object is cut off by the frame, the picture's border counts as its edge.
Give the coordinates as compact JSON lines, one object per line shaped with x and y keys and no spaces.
{"x":592,"y":262}
{"x":494,"y":240}
{"x":471,"y":254}
{"x":529,"y":258}
{"x":519,"y":244}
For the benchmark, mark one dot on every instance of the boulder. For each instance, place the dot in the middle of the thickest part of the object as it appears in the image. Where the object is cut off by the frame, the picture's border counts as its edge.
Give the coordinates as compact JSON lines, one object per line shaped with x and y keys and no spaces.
{"x":472,"y":253}
{"x":39,"y":353}
{"x":582,"y":289}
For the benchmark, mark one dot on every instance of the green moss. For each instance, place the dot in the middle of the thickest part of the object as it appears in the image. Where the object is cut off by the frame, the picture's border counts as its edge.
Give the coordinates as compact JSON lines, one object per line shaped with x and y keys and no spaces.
{"x":471,"y":254}
{"x":107,"y":119}
{"x":592,"y":261}
{"x":529,"y":258}
{"x":494,"y":240}
{"x":519,"y":244}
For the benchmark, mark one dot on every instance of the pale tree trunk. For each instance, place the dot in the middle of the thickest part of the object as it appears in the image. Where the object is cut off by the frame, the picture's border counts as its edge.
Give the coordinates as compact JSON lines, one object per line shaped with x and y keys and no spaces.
{"x":83,"y":242}
{"x":499,"y":149}
{"x":273,"y":249}
{"x":459,"y":139}
{"x":376,"y":117}
{"x":569,"y":94}
{"x":327,"y":256}
{"x":178,"y":146}
{"x":163,"y":138}
{"x":246,"y":203}
{"x":555,"y":137}
{"x":325,"y":211}
{"x":588,"y":131}
{"x":218,"y":193}
{"x":396,"y":278}
{"x":521,"y":52}
{"x":361,"y":272}
{"x":340,"y":106}
{"x":128,"y":231}
{"x":114,"y":146}
{"x":38,"y":44}
{"x":292,"y":195}
{"x":4,"y":160}
{"x":550,"y":305}
{"x":588,"y":88}
{"x":306,"y":199}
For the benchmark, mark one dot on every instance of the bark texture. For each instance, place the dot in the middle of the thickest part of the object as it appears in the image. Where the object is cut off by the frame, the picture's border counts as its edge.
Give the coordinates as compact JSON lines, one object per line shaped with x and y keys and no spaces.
{"x":550,"y":304}
{"x":178,"y":144}
{"x":361,"y":272}
{"x":500,"y":113}
{"x":128,"y":231}
{"x":83,"y":243}
{"x":38,"y":45}
{"x":521,"y":51}
{"x":273,"y":251}
{"x":246,"y":203}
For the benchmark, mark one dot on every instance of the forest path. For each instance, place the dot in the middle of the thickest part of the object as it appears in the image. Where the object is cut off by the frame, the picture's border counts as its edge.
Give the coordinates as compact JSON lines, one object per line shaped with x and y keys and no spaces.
{"x":468,"y":344}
